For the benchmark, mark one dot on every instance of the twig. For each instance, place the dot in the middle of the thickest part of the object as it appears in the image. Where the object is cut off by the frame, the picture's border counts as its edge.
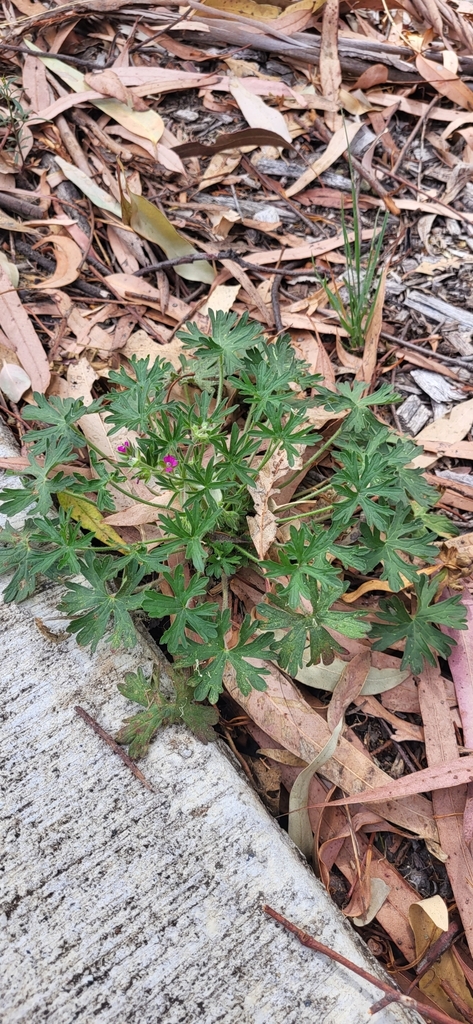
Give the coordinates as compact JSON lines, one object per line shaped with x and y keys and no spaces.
{"x":21,"y":207}
{"x":453,"y":361}
{"x":433,"y":953}
{"x":396,"y":996}
{"x":275,"y":304}
{"x":422,"y":119}
{"x":66,"y":57}
{"x":228,"y":254}
{"x":105,"y":736}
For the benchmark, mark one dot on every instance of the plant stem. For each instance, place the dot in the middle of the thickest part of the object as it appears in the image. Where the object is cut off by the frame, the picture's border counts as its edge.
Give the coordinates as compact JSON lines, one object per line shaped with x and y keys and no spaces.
{"x":221,"y":381}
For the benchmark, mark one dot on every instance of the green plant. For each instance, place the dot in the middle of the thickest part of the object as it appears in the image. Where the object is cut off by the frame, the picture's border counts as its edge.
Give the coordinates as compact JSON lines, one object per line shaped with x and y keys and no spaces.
{"x":361,"y":279}
{"x":12,"y":115}
{"x":210,"y":445}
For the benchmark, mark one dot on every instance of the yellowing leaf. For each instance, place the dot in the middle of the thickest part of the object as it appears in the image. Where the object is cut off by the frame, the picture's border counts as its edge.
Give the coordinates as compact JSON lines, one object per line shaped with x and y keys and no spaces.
{"x":325,"y":677}
{"x":150,"y":223}
{"x":146,"y":123}
{"x":89,"y":517}
{"x":87,"y":185}
{"x":247,"y":8}
{"x":428,"y":919}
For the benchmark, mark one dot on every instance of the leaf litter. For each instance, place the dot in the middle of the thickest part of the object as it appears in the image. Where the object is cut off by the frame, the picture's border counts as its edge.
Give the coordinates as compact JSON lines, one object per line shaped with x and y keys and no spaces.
{"x":315,"y":118}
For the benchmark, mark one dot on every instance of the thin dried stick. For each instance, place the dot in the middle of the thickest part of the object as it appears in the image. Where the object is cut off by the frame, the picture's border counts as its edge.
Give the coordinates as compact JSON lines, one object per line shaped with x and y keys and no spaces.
{"x":396,"y":997}
{"x":105,"y":736}
{"x":422,"y":119}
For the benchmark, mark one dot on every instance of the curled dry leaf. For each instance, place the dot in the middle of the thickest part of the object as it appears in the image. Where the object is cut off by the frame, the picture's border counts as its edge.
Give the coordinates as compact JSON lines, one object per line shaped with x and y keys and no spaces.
{"x":348,"y":687}
{"x":68,"y":260}
{"x":22,"y":336}
{"x":429,"y":919}
{"x":13,"y":381}
{"x":263,"y":525}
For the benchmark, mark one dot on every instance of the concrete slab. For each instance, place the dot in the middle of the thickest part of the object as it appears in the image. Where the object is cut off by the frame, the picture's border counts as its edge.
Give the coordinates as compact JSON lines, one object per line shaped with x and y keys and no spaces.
{"x":128,"y":907}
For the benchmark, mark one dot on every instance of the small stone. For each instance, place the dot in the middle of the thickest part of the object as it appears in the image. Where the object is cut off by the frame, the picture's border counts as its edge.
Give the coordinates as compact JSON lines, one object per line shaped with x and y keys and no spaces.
{"x":186,"y":115}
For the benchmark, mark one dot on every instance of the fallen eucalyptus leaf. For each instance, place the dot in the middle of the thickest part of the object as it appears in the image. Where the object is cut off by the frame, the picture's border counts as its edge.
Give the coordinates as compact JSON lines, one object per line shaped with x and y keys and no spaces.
{"x":14,"y":381}
{"x":148,"y":222}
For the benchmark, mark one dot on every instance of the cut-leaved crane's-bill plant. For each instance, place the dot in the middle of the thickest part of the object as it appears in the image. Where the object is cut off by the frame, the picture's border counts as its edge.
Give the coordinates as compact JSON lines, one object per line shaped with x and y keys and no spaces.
{"x":210,"y":446}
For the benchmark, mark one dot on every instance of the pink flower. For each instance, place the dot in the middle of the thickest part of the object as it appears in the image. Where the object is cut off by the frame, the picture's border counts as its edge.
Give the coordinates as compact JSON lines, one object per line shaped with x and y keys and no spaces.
{"x":170,"y":463}
{"x":123,"y":448}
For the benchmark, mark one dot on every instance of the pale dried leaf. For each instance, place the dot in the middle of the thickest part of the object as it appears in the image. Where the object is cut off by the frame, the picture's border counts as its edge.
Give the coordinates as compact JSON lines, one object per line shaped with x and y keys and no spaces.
{"x":13,"y":381}
{"x":256,"y":112}
{"x":451,"y":428}
{"x":22,"y":336}
{"x":339,"y":142}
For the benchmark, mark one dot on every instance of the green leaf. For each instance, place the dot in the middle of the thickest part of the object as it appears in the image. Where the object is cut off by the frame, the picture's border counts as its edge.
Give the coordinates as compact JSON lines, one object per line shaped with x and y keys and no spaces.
{"x":138,"y":730}
{"x":37,"y":492}
{"x":61,"y":414}
{"x":229,"y":340}
{"x":198,"y":618}
{"x":210,"y":660}
{"x":97,"y":607}
{"x":189,"y":529}
{"x":304,"y":558}
{"x":289,"y":433}
{"x":301,"y":627}
{"x":404,"y":536}
{"x":44,"y":547}
{"x":419,"y":629}
{"x":150,"y":223}
{"x":142,"y":393}
{"x":354,"y":400}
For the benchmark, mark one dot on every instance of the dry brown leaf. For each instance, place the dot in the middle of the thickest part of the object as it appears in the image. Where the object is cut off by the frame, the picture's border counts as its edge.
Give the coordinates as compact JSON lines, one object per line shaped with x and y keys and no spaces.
{"x":263,"y":525}
{"x":264,"y":310}
{"x":349,"y":687}
{"x":348,"y":359}
{"x":35,"y":83}
{"x":372,"y":333}
{"x":308,"y":250}
{"x":461,"y":666}
{"x":68,"y":260}
{"x":339,"y":142}
{"x":429,"y":918}
{"x":257,"y":113}
{"x":288,"y":719}
{"x":329,"y":62}
{"x":108,"y":84}
{"x":297,"y":16}
{"x":439,"y":777}
{"x":449,"y":802}
{"x":22,"y":336}
{"x":331,"y":827}
{"x":445,"y":82}
{"x":451,"y":428}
